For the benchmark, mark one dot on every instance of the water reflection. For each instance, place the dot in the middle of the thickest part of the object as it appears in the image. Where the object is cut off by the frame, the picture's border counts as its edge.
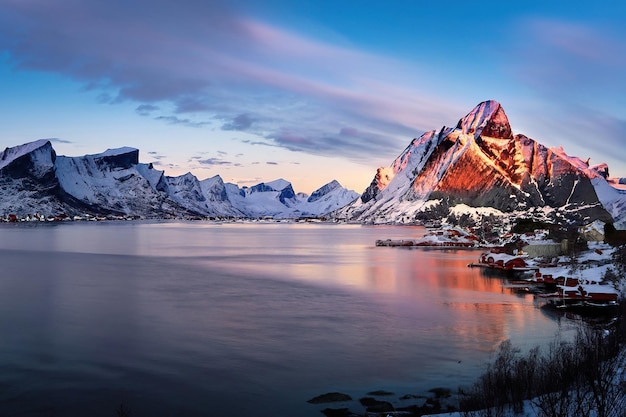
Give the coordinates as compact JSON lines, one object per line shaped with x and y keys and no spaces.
{"x":187,"y":315}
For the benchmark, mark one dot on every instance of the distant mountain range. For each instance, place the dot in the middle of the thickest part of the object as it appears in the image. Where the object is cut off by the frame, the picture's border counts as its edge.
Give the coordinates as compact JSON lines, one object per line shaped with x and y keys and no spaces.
{"x":33,"y":179}
{"x":477,"y":165}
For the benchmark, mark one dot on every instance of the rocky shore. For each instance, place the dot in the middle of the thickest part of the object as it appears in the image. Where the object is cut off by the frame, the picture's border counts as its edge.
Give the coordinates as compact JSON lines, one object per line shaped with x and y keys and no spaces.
{"x":383,"y":403}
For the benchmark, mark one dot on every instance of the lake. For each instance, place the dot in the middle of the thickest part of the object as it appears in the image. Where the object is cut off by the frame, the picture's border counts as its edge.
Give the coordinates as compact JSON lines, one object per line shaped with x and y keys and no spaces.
{"x":238,"y":319}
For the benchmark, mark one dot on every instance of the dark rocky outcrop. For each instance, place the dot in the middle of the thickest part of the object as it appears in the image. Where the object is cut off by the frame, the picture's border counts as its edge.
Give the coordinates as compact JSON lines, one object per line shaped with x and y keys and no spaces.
{"x":330,"y":397}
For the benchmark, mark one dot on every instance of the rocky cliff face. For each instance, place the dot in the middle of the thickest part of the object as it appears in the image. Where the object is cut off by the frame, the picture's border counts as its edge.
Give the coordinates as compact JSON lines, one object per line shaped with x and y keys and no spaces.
{"x":28,"y":180}
{"x":34,"y":180}
{"x":479,"y":163}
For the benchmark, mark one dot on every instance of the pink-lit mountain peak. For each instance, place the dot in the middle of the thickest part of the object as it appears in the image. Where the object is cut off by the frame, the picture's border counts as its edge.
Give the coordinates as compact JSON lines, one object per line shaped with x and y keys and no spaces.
{"x":487,"y":119}
{"x":480,"y":164}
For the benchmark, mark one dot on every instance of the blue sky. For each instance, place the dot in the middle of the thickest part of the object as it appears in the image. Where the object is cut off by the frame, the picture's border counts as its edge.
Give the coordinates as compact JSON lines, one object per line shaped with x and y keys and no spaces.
{"x":309,"y":91}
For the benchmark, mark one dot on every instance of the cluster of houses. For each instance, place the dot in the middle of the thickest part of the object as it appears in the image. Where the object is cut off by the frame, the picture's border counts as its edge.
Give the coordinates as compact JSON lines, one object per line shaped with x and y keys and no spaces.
{"x":554,"y":271}
{"x":36,"y":217}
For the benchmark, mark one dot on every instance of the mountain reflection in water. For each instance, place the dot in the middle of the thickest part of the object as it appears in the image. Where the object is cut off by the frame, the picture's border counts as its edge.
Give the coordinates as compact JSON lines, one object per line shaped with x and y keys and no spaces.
{"x":196,"y":318}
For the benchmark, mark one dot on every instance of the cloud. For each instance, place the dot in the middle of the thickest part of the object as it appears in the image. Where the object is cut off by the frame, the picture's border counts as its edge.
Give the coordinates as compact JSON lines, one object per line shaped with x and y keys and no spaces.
{"x":192,"y":104}
{"x":574,"y":71}
{"x":568,"y":60}
{"x":256,"y":180}
{"x":217,"y":162}
{"x":350,"y":141}
{"x":271,"y":163}
{"x":174,"y":120}
{"x":257,"y":142}
{"x":241,"y":122}
{"x":146,"y":109}
{"x":156,"y":155}
{"x":220,"y":66}
{"x":58,"y":140}
{"x":595,"y":134}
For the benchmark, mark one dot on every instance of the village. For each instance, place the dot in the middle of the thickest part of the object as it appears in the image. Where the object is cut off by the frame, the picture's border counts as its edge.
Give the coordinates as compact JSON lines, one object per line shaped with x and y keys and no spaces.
{"x":569,"y":272}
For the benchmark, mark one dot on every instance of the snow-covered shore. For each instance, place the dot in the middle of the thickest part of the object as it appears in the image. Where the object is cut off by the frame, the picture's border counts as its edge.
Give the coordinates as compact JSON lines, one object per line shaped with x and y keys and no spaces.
{"x":600,"y":263}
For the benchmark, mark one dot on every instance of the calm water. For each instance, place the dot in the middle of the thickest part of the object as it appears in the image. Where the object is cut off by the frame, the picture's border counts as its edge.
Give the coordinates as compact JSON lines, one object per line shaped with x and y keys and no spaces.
{"x":200,"y":319}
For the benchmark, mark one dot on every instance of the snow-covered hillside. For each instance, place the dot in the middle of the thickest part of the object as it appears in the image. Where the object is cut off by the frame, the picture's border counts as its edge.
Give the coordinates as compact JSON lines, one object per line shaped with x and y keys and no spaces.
{"x":479,"y":166}
{"x":277,"y":199}
{"x":33,"y":179}
{"x":480,"y":163}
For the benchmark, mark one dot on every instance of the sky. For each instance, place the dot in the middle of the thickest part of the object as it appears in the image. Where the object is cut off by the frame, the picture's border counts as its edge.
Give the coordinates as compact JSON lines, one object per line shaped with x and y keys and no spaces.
{"x":308,"y":91}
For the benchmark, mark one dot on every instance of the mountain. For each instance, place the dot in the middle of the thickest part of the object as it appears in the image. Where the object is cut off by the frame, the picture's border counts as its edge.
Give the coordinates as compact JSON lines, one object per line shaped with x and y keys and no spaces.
{"x":481,"y":163}
{"x":33,"y":179}
{"x":330,"y":197}
{"x":477,"y":166}
{"x":278,"y":199}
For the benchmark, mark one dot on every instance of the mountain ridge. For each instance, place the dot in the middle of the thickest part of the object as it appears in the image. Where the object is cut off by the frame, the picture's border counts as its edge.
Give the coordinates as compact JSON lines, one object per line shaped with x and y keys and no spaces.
{"x":34,"y":179}
{"x":481,"y":163}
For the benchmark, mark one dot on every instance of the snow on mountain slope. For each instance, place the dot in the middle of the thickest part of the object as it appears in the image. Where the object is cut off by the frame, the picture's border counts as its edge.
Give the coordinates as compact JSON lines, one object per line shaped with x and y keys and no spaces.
{"x":34,"y":158}
{"x":613,"y":199}
{"x":480,"y":163}
{"x":34,"y":180}
{"x":111,"y":182}
{"x":486,"y":119}
{"x":279,"y":184}
{"x":155,"y":177}
{"x":277,"y":199}
{"x":216,"y":195}
{"x":186,"y":191}
{"x":27,"y":181}
{"x":258,"y":203}
{"x":327,"y":198}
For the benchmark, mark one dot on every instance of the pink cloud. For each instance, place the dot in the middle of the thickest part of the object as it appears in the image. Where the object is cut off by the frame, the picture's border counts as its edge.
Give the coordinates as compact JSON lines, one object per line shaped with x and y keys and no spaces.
{"x":219,"y":64}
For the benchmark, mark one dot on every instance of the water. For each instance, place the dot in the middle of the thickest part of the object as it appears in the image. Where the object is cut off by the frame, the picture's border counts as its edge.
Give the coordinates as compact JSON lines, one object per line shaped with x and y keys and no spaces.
{"x":201,"y":319}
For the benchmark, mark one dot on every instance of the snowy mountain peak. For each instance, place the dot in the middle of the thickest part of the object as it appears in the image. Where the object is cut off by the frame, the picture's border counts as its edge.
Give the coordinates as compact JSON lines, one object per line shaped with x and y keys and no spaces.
{"x":118,"y":151}
{"x":278,"y":185}
{"x":480,"y":164}
{"x":486,"y":119}
{"x":123,"y":158}
{"x":35,"y":180}
{"x":11,"y":154}
{"x":323,"y":190}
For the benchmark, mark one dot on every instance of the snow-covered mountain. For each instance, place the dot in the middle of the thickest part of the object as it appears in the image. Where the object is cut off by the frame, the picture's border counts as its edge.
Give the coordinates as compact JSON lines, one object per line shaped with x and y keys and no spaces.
{"x":480,"y":163}
{"x":278,"y":199}
{"x":33,"y":179}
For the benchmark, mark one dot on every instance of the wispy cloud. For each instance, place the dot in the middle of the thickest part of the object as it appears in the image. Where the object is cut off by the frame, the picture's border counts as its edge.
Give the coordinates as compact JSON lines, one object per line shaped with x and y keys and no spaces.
{"x":156,"y":155}
{"x":146,"y":109}
{"x":175,"y":120}
{"x":217,"y":66}
{"x":58,"y":140}
{"x":561,"y":58}
{"x":577,"y":71}
{"x":209,"y":64}
{"x":216,"y":161}
{"x":241,"y":122}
